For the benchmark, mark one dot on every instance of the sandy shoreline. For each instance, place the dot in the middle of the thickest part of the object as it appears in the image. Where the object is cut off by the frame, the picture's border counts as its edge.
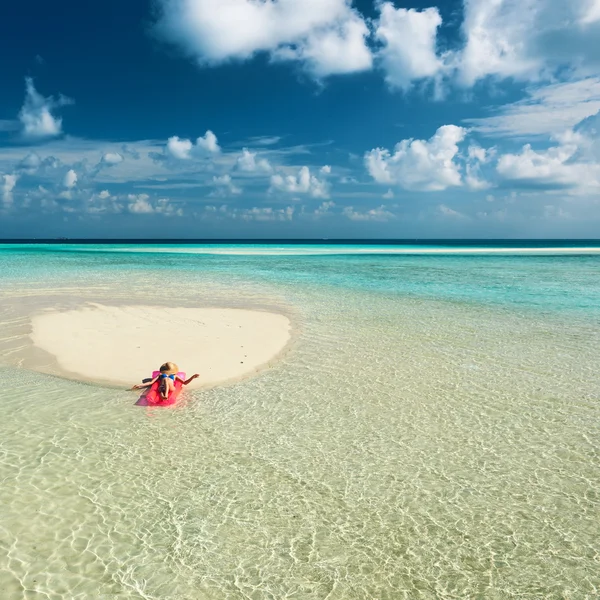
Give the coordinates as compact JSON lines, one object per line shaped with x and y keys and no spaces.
{"x":121,"y":345}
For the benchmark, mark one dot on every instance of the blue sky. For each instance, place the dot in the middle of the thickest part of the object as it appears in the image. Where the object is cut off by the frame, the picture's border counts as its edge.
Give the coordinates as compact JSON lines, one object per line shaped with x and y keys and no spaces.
{"x":300,"y":118}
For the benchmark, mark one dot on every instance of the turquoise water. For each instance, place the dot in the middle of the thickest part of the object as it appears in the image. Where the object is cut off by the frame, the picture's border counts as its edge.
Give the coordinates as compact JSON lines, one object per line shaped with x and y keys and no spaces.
{"x":433,"y":433}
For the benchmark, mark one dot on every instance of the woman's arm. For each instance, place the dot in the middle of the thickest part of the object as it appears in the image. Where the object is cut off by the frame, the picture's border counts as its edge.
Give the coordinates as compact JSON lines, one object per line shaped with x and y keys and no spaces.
{"x":139,"y":386}
{"x":189,"y":380}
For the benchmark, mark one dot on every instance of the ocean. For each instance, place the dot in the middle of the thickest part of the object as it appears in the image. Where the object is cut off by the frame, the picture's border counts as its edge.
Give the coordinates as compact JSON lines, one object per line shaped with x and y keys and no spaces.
{"x":433,"y":431}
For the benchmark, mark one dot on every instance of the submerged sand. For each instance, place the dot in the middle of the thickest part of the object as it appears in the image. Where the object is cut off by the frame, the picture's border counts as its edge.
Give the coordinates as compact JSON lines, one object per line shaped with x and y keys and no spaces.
{"x":122,"y":345}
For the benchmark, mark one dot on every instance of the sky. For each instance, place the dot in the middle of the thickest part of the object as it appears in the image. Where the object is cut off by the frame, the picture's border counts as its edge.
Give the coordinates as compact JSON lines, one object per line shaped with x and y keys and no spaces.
{"x":300,"y":119}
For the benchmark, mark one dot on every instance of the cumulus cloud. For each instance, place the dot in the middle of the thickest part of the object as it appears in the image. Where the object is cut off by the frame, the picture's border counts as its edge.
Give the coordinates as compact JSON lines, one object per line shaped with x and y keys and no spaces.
{"x":562,"y":166}
{"x":425,"y":165}
{"x":266,"y":214}
{"x":528,"y":39}
{"x":8,"y":185}
{"x":165,"y":207}
{"x":248,"y":163}
{"x":178,"y":148}
{"x":375,"y":214}
{"x":140,"y":204}
{"x":303,"y":183}
{"x":334,"y":50}
{"x":208,"y":143}
{"x":250,"y":214}
{"x":70,"y":179}
{"x":102,"y":203}
{"x":30,"y":164}
{"x":325,"y":36}
{"x":37,"y":120}
{"x":324,"y":209}
{"x":112,"y":158}
{"x":408,"y":44}
{"x":185,"y":149}
{"x":225,"y":186}
{"x":477,"y":156}
{"x":137,"y":204}
{"x":108,"y":160}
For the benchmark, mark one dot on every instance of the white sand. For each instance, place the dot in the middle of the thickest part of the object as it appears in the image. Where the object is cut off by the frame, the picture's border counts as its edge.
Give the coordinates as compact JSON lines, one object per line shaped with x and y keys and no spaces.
{"x":122,"y":345}
{"x":332,"y":250}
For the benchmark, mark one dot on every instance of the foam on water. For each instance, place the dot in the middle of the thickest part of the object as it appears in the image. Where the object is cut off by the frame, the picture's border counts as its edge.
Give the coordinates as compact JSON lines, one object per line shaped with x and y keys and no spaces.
{"x":433,"y":434}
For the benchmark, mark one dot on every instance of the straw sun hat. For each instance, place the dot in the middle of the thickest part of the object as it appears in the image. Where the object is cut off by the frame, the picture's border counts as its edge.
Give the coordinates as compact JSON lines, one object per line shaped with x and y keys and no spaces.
{"x":169,"y":368}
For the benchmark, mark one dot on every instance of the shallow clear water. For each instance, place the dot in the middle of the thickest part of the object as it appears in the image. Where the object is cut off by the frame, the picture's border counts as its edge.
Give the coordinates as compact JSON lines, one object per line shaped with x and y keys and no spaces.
{"x":434,"y":432}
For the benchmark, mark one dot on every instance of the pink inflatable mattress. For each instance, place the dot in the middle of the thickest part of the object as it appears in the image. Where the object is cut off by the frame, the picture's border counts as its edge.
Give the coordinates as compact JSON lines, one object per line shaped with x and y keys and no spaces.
{"x":152,"y":397}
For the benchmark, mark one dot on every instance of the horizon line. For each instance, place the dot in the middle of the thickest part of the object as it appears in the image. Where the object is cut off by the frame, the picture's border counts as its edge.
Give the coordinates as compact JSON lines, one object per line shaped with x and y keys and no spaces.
{"x":373,"y":241}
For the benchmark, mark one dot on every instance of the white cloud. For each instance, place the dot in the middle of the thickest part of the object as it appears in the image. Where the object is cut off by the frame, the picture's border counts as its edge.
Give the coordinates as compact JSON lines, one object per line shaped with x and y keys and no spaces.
{"x":263,"y":140}
{"x":326,"y":170}
{"x":420,"y":164}
{"x":139,"y":204}
{"x":562,"y":166}
{"x":103,"y":203}
{"x":266,"y":214}
{"x":112,"y":158}
{"x":408,"y":39}
{"x":547,"y":110}
{"x":477,"y":153}
{"x":30,"y":164}
{"x":324,"y":209}
{"x":591,"y":12}
{"x":179,"y":148}
{"x":37,"y":120}
{"x":225,"y":186}
{"x":375,"y":214}
{"x":446,"y":211}
{"x":303,"y":183}
{"x":8,"y":185}
{"x":247,"y":162}
{"x":208,"y":143}
{"x":70,"y":179}
{"x":326,"y":36}
{"x":335,"y":50}
{"x":528,"y":39}
{"x":473,"y":178}
{"x":389,"y":195}
{"x":164,"y":207}
{"x":251,"y":214}
{"x":184,"y":149}
{"x":496,"y":39}
{"x":477,"y":156}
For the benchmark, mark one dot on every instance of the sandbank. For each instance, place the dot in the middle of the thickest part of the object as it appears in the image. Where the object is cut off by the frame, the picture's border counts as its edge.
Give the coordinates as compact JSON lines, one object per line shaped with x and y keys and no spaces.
{"x":327,"y":250}
{"x":121,"y":345}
